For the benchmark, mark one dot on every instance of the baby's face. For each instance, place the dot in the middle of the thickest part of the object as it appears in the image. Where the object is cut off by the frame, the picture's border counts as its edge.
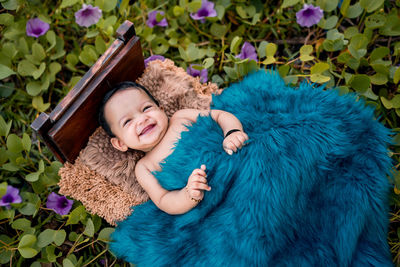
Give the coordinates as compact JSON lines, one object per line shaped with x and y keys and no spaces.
{"x":136,"y":121}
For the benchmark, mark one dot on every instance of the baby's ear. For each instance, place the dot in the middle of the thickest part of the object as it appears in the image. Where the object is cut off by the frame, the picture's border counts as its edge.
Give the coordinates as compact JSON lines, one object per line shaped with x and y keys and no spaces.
{"x":118,"y":144}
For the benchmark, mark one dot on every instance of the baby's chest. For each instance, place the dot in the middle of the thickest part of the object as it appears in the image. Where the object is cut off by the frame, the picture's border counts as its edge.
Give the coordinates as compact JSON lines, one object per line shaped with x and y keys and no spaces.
{"x":166,"y":146}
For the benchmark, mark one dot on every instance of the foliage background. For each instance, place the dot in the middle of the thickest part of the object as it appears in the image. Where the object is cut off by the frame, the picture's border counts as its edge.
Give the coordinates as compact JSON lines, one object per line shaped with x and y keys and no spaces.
{"x":354,"y":48}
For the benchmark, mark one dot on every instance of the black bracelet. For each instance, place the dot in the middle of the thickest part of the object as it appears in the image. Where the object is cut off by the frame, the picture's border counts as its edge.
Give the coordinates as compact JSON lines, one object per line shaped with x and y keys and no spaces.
{"x":231,"y":131}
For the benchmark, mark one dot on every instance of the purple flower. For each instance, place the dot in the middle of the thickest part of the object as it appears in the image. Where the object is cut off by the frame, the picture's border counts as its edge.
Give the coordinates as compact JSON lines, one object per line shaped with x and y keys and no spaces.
{"x":36,"y":27}
{"x":309,"y":15}
{"x":194,"y":72}
{"x":248,"y":51}
{"x":60,"y":204}
{"x":151,"y":58}
{"x":87,"y":15}
{"x":11,"y":196}
{"x":152,"y":20}
{"x":206,"y":10}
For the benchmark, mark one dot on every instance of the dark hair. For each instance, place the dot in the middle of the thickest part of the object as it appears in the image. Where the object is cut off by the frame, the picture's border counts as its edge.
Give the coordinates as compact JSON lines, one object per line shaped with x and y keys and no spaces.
{"x":119,"y":87}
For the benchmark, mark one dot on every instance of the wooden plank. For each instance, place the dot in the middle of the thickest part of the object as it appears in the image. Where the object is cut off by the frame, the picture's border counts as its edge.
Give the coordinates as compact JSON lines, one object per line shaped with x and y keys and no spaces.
{"x":68,"y":127}
{"x":72,"y":130}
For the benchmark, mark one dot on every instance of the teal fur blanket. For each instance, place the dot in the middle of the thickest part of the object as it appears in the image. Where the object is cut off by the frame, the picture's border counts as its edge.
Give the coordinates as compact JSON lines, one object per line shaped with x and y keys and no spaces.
{"x":310,"y":188}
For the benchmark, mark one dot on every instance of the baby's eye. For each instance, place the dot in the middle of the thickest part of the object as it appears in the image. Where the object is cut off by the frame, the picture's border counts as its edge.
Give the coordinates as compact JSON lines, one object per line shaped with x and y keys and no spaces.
{"x":147,"y":107}
{"x":126,"y":122}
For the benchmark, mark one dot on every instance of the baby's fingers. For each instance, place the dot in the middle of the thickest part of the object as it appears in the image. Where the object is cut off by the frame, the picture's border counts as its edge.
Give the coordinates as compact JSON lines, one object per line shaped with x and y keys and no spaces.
{"x":200,"y":186}
{"x":199,"y":172}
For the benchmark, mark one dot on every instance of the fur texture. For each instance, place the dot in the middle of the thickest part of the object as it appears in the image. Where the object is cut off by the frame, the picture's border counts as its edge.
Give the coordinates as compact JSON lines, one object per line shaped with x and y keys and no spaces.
{"x":103,"y":178}
{"x":310,"y":189}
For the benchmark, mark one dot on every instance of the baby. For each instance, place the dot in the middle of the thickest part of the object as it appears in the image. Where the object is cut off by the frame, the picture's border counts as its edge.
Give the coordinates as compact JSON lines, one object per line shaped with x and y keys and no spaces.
{"x":133,"y":119}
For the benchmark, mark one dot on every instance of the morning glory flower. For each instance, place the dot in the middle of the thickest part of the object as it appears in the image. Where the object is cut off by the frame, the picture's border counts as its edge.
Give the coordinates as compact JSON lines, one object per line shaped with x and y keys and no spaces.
{"x":194,"y":72}
{"x":151,"y":58}
{"x":248,"y":51}
{"x":309,"y":15}
{"x":152,"y":20}
{"x":87,"y":15}
{"x":11,"y":196}
{"x":206,"y":10}
{"x":60,"y":204}
{"x":36,"y":27}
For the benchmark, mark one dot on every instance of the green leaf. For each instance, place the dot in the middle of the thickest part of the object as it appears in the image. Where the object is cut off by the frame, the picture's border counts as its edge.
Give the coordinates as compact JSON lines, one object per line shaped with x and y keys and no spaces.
{"x":28,"y":252}
{"x":38,"y":52}
{"x":59,"y":237}
{"x":218,"y":30}
{"x":328,"y":23}
{"x":37,"y":103}
{"x":26,"y":68}
{"x":109,"y":5}
{"x":5,"y":256}
{"x":78,"y":214}
{"x":261,"y":49}
{"x":379,"y":79}
{"x":178,"y":11}
{"x":333,"y":45}
{"x":26,"y":142}
{"x":319,"y":78}
{"x":34,"y":88}
{"x":21,"y":224}
{"x":396,"y":77}
{"x":396,"y":101}
{"x":6,"y":19}
{"x":100,"y":45}
{"x":358,"y":46}
{"x":50,"y":254}
{"x":220,"y":11}
{"x":38,"y":72}
{"x":270,"y":49}
{"x":5,"y":72}
{"x":89,"y":229}
{"x":231,"y":72}
{"x":305,"y":52}
{"x":194,"y":6}
{"x":105,"y":233}
{"x":25,"y":246}
{"x":32,"y":177}
{"x":379,"y":53}
{"x":319,"y":68}
{"x":236,"y":41}
{"x":159,"y":45}
{"x":327,"y":5}
{"x":386,"y":103}
{"x":354,"y":11}
{"x":371,"y":6}
{"x":391,"y":27}
{"x":10,"y":4}
{"x":208,"y":62}
{"x":14,"y":143}
{"x":289,"y":3}
{"x":375,"y":21}
{"x":350,"y":32}
{"x":51,"y":38}
{"x":67,"y":3}
{"x":46,"y":237}
{"x":360,"y":82}
{"x":68,"y":263}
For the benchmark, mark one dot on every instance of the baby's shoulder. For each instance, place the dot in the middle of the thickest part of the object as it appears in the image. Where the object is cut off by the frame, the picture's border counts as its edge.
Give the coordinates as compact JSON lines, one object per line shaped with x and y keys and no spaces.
{"x":189,"y":114}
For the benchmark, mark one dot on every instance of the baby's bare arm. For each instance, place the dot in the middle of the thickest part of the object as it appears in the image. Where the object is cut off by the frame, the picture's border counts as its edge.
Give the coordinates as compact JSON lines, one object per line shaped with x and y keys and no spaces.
{"x":172,"y":202}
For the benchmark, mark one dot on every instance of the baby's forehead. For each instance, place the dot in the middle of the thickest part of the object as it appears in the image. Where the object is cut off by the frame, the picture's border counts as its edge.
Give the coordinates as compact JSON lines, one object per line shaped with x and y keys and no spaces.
{"x":123,"y":100}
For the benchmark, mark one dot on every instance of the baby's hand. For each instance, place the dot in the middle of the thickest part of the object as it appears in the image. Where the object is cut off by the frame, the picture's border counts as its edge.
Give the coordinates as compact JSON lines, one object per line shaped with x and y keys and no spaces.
{"x":234,"y":141}
{"x":197,"y":183}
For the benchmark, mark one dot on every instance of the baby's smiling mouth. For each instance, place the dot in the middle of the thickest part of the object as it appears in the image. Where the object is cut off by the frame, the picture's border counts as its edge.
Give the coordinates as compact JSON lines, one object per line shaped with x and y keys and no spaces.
{"x":147,"y":129}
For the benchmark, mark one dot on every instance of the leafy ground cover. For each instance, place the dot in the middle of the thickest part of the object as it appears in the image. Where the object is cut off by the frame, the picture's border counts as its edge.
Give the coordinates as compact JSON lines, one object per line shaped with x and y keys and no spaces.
{"x":46,"y":46}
